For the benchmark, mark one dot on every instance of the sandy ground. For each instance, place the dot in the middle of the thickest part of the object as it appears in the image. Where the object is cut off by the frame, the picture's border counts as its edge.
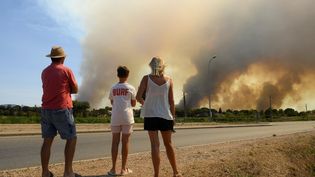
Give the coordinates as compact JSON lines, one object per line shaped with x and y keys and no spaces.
{"x":277,"y":156}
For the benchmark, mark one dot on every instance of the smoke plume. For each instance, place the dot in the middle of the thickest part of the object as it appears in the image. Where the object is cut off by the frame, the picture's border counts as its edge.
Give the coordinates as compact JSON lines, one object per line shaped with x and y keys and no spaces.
{"x":264,"y":48}
{"x":277,"y":36}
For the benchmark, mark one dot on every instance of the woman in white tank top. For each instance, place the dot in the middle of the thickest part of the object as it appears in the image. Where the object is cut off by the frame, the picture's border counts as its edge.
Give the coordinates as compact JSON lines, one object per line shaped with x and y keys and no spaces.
{"x":156,"y":96}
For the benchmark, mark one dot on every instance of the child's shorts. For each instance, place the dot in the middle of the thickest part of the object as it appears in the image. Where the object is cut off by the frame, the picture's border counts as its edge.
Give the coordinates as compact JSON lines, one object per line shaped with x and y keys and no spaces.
{"x":124,"y":129}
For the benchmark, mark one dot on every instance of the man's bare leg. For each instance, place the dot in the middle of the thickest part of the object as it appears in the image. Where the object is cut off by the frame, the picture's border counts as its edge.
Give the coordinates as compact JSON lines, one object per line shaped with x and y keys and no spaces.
{"x":69,"y":154}
{"x":45,"y":156}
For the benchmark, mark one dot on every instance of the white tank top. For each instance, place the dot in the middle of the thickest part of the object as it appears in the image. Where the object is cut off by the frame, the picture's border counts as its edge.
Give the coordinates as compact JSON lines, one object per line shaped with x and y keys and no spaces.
{"x":156,"y":102}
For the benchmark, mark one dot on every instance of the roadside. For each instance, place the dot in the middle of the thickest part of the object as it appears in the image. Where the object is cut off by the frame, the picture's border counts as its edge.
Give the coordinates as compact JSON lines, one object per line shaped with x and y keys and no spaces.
{"x":34,"y":129}
{"x":281,"y":156}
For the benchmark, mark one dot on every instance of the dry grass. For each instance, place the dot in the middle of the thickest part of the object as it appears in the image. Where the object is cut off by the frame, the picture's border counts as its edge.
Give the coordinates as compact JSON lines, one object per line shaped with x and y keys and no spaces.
{"x":278,"y":156}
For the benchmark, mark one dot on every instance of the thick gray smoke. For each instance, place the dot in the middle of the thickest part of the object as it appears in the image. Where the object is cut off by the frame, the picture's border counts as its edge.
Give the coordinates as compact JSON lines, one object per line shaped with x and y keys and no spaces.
{"x":276,"y":34}
{"x":131,"y":33}
{"x":250,"y":38}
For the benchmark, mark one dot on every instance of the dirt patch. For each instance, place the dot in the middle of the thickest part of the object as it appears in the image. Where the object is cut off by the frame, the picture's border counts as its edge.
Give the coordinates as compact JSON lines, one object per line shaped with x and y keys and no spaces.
{"x":277,"y":156}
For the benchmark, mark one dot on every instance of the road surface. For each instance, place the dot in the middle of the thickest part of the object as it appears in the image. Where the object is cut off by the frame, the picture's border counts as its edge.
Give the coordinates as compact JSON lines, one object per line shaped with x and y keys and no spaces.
{"x":23,"y":151}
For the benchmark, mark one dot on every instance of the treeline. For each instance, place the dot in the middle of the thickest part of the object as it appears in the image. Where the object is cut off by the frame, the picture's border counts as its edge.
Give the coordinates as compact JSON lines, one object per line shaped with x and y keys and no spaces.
{"x":204,"y":112}
{"x":82,"y":110}
{"x":17,"y":110}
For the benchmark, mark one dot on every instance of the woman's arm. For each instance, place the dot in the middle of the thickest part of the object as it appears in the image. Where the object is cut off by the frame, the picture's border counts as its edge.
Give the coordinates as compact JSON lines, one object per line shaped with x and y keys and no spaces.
{"x":142,"y":89}
{"x":171,"y":99}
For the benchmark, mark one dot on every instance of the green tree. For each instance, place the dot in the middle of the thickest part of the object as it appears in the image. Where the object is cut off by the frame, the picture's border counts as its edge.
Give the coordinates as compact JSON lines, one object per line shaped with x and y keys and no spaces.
{"x":290,"y":112}
{"x":80,"y":108}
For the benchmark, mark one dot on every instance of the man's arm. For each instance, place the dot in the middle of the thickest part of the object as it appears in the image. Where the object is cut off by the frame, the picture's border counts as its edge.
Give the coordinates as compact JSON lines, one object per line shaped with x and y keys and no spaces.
{"x":74,"y":88}
{"x":73,"y":83}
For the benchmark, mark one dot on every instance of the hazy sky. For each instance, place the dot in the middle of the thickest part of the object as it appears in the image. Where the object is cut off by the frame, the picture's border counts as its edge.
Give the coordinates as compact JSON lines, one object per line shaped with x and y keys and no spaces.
{"x":27,"y":34}
{"x":263,"y":47}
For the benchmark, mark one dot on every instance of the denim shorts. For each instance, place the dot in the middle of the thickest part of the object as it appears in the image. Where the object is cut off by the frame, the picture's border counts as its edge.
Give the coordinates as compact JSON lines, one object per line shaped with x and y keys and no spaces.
{"x":61,"y":120}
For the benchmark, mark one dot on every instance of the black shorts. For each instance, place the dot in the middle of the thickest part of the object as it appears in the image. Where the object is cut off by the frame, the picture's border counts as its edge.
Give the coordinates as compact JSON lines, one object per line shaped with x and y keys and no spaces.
{"x":157,"y":123}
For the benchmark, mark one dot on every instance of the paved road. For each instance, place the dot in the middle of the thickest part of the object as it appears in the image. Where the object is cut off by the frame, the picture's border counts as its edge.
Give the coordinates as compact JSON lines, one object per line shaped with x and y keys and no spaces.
{"x":18,"y":152}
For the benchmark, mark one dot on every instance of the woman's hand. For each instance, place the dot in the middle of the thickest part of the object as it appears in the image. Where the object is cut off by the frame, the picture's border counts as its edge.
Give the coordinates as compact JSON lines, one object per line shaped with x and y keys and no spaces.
{"x":141,"y":101}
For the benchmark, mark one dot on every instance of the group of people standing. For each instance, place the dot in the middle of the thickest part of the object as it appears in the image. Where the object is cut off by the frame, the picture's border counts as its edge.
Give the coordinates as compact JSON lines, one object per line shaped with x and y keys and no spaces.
{"x":155,"y":94}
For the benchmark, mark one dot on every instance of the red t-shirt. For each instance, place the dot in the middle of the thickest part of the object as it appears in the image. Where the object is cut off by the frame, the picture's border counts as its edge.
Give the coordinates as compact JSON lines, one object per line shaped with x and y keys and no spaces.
{"x":57,"y":82}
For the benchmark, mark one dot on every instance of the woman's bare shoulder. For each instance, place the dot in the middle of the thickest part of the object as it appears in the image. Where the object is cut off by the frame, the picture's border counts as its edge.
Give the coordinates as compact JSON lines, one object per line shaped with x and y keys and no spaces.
{"x":166,"y":77}
{"x":144,"y":78}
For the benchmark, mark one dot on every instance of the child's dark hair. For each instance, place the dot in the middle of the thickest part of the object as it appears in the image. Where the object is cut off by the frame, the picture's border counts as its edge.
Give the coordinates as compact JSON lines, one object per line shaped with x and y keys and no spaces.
{"x":122,"y":71}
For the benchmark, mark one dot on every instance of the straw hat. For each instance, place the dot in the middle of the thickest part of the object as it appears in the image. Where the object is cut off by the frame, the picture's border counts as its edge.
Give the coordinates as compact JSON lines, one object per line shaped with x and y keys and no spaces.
{"x":56,"y":52}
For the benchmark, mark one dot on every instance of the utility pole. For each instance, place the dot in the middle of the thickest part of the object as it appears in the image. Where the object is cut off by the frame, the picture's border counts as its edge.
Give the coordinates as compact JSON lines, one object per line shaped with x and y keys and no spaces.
{"x":185,"y":113}
{"x":270,"y":107}
{"x":257,"y":115}
{"x":209,"y":98}
{"x":210,"y":112}
{"x":306,"y":111}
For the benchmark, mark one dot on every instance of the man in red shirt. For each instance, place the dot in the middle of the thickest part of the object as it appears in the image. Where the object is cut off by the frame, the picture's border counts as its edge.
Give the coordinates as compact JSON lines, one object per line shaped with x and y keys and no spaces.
{"x":56,"y":115}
